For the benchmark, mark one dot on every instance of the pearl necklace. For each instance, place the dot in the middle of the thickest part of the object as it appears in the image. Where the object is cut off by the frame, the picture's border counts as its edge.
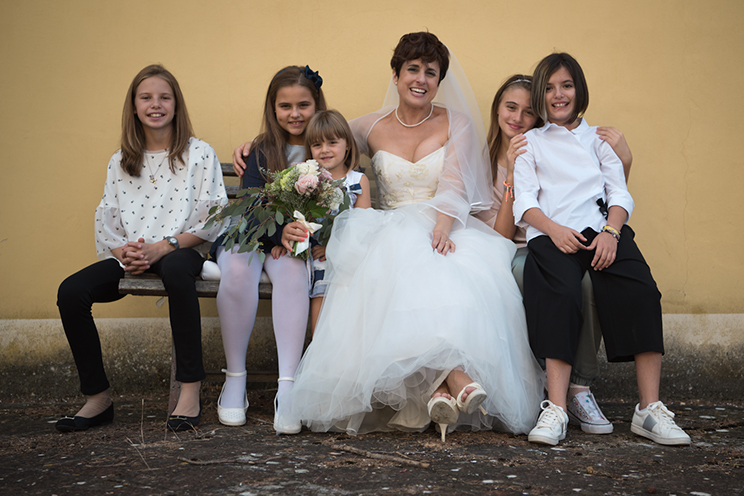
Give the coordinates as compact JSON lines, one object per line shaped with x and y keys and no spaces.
{"x":152,"y":174}
{"x":414,"y":125}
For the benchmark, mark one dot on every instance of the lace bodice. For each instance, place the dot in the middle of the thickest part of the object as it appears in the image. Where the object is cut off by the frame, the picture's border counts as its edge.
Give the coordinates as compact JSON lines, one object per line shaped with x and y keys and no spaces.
{"x":401,"y":182}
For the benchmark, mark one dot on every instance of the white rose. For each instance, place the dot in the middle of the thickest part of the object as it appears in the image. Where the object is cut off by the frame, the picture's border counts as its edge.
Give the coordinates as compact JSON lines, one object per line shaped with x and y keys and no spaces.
{"x":338,"y":197}
{"x":309,"y":167}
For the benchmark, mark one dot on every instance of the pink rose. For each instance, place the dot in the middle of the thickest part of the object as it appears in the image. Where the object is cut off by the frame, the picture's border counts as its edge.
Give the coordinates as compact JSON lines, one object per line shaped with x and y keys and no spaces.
{"x":324,"y":174}
{"x":306,"y":184}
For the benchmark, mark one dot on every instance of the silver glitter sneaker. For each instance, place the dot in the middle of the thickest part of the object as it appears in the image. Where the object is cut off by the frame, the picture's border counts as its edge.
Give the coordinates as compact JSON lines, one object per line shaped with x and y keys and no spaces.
{"x":584,"y":411}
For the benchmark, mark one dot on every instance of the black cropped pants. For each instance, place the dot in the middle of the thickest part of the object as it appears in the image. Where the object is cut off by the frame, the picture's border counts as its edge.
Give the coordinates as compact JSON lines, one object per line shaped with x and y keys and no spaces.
{"x":627,"y":299}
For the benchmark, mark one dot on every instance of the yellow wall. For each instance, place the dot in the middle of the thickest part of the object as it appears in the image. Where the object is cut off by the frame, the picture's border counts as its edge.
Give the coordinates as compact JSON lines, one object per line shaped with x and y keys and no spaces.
{"x":668,"y":73}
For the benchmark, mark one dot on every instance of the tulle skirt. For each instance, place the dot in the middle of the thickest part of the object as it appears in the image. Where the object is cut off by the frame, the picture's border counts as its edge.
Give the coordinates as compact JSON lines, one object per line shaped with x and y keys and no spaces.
{"x":398,"y":317}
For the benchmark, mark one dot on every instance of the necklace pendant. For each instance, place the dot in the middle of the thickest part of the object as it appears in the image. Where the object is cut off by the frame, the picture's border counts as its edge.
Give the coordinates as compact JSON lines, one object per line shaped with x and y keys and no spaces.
{"x":152,"y":179}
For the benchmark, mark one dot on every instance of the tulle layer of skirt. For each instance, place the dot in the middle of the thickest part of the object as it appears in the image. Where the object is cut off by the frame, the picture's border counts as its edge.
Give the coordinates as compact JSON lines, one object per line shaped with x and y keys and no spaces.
{"x":397,"y":317}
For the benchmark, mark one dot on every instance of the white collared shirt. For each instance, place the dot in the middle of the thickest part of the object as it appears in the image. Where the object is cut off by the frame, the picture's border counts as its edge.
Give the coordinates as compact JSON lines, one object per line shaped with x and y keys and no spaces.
{"x":564,"y":173}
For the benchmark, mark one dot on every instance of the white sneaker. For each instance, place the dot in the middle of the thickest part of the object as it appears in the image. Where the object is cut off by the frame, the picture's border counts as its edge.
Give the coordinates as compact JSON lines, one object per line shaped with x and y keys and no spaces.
{"x":584,"y":411}
{"x":657,"y":424}
{"x":551,"y":425}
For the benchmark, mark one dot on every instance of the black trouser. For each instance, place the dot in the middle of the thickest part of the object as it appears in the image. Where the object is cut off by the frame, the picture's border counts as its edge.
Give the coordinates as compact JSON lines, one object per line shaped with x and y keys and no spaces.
{"x":99,"y":283}
{"x":628,"y":301}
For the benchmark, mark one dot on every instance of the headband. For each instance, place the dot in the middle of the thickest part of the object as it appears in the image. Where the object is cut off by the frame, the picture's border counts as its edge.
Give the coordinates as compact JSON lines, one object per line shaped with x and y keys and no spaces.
{"x":520,"y":81}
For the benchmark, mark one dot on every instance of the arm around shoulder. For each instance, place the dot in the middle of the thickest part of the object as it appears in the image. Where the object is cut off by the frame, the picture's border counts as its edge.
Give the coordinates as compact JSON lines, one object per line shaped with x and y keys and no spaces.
{"x":616,"y":139}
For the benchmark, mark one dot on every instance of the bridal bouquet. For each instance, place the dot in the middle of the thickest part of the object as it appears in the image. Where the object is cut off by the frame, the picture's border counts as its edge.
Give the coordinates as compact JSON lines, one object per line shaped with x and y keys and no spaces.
{"x":303,"y":192}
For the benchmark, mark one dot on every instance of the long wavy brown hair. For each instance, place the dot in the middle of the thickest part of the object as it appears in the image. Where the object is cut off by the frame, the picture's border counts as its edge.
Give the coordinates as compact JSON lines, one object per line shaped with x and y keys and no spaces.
{"x":133,"y":134}
{"x":494,"y":131}
{"x":272,"y":141}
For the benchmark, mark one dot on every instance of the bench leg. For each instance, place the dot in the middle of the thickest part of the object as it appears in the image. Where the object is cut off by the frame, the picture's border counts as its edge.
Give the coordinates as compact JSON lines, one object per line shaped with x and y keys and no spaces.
{"x":175,"y":386}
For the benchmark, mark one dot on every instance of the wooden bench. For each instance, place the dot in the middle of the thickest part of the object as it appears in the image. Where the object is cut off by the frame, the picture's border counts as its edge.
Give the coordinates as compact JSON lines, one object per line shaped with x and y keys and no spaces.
{"x":152,"y":285}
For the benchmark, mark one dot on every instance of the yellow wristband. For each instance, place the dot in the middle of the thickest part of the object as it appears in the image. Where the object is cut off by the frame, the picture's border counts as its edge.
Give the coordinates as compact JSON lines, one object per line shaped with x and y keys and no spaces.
{"x":611,"y":229}
{"x":612,"y":232}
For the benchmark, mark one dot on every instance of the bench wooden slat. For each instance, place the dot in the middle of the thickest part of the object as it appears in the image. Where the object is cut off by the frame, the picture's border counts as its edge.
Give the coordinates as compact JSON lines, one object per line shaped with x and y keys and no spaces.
{"x":152,"y":285}
{"x":232,"y":191}
{"x":227,"y":169}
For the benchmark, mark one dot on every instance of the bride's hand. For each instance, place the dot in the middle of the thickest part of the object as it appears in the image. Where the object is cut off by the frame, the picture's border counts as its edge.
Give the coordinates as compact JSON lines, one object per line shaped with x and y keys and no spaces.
{"x":440,"y":240}
{"x":441,"y":243}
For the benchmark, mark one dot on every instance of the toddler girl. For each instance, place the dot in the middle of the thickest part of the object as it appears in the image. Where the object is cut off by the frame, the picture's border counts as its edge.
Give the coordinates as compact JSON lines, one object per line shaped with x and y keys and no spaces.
{"x":331,"y":143}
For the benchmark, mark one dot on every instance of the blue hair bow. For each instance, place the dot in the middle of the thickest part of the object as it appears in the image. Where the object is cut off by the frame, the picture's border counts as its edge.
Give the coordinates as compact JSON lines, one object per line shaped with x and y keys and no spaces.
{"x":314,"y":77}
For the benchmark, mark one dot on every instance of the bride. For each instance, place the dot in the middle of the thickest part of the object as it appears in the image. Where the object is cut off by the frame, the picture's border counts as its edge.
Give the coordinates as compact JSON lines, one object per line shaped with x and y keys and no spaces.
{"x":422,"y":320}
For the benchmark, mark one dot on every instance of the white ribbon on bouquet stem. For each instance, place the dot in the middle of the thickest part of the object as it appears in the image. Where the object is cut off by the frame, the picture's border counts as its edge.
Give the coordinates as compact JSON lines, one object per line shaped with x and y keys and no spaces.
{"x":300,"y":246}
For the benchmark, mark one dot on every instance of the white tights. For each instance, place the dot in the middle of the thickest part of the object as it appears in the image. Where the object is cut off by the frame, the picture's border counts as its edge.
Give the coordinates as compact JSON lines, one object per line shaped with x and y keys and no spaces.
{"x":237,"y":302}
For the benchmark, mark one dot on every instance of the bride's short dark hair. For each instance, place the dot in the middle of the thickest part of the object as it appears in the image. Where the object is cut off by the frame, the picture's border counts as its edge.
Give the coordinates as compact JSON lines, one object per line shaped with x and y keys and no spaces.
{"x":422,"y":45}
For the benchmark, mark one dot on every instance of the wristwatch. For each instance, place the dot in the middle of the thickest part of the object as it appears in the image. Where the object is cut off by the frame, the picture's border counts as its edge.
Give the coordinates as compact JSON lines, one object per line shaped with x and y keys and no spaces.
{"x":173,"y":241}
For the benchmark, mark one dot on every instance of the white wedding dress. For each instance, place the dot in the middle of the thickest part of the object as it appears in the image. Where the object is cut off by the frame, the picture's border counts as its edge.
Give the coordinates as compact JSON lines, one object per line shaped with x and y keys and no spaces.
{"x":398,"y":317}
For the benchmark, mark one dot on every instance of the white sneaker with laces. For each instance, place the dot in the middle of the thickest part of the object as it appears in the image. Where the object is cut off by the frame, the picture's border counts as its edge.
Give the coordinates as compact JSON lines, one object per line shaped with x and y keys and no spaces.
{"x":584,"y":411}
{"x":551,"y":425}
{"x":657,"y":424}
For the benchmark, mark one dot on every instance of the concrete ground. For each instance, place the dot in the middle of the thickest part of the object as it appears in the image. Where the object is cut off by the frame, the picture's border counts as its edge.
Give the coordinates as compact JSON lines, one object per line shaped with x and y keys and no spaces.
{"x":136,"y":456}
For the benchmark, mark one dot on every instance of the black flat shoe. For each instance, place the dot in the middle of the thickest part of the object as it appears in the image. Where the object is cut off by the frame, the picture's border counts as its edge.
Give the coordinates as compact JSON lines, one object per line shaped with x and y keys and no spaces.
{"x":179,"y":423}
{"x":74,"y":424}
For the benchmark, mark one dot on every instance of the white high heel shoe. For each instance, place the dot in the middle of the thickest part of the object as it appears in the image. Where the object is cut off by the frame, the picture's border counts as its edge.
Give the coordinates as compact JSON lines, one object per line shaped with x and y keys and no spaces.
{"x":283,"y":425}
{"x":444,"y":412}
{"x":474,"y":399}
{"x":232,"y":416}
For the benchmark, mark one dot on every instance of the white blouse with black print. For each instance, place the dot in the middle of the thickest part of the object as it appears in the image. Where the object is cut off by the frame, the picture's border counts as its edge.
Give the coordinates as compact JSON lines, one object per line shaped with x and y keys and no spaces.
{"x":135,"y":207}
